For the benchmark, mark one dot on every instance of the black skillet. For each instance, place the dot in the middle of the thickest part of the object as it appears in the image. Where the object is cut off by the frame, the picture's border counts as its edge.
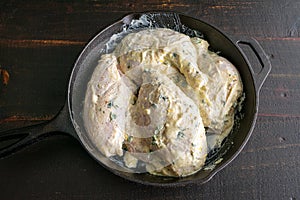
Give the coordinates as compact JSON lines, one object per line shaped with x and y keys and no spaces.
{"x":69,"y":120}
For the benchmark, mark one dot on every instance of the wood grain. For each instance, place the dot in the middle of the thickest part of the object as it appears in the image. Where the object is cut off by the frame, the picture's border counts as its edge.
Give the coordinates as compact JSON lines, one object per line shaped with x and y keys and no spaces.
{"x":39,"y":43}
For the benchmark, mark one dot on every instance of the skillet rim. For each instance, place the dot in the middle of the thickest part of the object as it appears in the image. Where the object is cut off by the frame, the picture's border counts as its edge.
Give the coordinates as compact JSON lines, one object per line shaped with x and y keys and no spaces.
{"x":181,"y":182}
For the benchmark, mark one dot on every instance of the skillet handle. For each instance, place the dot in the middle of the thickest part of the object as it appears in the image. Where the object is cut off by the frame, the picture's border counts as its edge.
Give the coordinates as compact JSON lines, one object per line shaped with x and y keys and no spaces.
{"x":259,"y":77}
{"x":13,"y":140}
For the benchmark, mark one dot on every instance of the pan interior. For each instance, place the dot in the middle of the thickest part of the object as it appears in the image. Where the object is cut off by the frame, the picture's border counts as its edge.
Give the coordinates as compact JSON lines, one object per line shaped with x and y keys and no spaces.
{"x":88,"y":60}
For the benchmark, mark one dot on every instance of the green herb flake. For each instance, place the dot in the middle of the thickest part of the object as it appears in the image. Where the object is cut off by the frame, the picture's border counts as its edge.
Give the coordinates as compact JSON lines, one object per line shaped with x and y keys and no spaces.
{"x":130,"y":138}
{"x":163,"y":97}
{"x":180,"y":134}
{"x":112,"y":116}
{"x":153,"y":142}
{"x":110,"y":104}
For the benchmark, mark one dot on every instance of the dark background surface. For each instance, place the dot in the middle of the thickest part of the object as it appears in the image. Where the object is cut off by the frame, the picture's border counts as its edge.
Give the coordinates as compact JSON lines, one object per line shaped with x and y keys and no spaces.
{"x":39,"y":43}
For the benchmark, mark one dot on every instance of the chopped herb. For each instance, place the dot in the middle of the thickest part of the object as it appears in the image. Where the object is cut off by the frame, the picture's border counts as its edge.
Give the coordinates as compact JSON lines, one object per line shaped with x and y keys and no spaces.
{"x":110,"y":104}
{"x":130,"y":138}
{"x":193,"y":145}
{"x":163,"y":97}
{"x":174,"y":55}
{"x":112,"y":116}
{"x":154,"y":142}
{"x":180,"y":134}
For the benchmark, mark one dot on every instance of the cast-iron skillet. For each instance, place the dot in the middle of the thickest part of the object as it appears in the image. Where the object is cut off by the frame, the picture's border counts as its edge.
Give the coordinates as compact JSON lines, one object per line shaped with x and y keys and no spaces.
{"x":70,"y":121}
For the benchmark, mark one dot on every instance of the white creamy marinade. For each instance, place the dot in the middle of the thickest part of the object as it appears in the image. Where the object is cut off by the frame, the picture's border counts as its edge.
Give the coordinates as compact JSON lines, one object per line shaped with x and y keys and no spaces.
{"x":163,"y":99}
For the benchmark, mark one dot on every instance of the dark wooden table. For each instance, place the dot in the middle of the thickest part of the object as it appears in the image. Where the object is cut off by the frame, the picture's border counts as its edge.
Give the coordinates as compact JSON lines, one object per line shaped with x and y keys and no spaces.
{"x":39,"y":43}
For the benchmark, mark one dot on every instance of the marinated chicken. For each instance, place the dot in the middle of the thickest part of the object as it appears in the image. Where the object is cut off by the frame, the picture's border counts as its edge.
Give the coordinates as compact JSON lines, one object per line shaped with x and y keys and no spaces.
{"x":163,"y":99}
